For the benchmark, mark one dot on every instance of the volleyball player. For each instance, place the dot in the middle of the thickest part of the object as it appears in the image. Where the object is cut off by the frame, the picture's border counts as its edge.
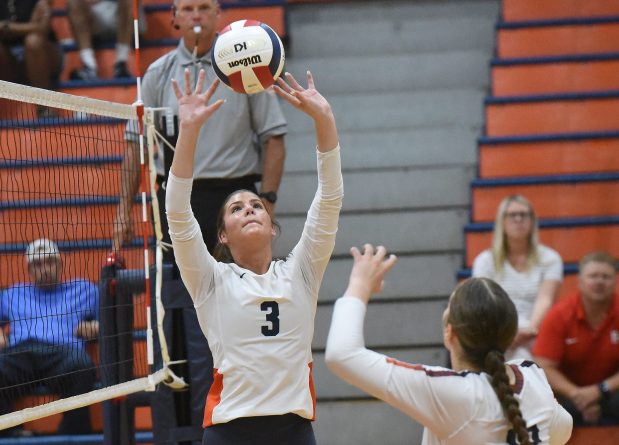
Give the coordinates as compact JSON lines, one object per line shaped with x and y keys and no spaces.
{"x":257,"y":314}
{"x":482,"y":400}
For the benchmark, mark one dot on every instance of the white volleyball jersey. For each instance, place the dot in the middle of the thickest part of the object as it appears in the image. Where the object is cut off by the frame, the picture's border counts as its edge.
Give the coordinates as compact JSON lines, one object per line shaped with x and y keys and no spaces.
{"x":259,"y":327}
{"x":456,"y":408}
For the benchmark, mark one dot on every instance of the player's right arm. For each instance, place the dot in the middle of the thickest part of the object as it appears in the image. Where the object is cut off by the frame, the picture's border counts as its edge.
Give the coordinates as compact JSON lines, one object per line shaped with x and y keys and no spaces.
{"x":190,"y":252}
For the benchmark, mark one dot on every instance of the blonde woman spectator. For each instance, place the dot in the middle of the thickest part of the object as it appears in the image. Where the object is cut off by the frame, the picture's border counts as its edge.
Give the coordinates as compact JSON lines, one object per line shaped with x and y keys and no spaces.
{"x":530,"y":272}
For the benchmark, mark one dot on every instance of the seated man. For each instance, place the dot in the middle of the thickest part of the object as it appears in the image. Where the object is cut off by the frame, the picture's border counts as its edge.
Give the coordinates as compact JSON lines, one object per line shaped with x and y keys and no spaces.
{"x":48,"y":323}
{"x":101,"y":19}
{"x":578,"y":345}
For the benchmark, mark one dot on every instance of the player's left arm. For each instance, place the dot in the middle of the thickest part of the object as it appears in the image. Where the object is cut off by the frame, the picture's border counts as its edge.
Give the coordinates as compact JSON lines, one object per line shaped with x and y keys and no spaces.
{"x":546,"y":297}
{"x":88,"y":327}
{"x":274,"y":155}
{"x":548,"y":290}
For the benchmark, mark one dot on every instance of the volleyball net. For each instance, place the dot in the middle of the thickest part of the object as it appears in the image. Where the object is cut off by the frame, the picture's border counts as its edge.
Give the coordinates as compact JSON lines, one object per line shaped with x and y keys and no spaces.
{"x":60,"y":181}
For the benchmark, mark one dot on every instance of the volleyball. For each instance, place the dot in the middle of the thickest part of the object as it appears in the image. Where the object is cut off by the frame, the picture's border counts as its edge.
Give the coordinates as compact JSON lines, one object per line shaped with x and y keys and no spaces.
{"x":248,"y":56}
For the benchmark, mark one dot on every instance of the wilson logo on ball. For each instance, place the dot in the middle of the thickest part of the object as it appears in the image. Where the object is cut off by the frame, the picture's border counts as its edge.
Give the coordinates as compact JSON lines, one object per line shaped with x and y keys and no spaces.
{"x":248,"y":56}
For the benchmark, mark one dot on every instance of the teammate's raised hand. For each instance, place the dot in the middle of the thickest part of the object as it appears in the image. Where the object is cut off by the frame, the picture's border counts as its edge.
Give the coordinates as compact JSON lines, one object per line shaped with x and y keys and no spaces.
{"x":368,"y":273}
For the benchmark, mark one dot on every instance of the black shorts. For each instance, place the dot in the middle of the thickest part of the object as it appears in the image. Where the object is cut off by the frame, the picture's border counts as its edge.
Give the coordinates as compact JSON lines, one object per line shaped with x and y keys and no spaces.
{"x":287,"y":429}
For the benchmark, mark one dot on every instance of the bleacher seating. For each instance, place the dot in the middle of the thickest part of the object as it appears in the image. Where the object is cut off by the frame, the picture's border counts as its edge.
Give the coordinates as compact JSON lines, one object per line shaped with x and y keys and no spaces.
{"x":551,"y":132}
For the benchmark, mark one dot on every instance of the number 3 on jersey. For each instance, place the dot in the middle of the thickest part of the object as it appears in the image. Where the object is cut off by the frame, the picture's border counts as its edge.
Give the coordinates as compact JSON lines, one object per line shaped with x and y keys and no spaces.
{"x":272,"y":317}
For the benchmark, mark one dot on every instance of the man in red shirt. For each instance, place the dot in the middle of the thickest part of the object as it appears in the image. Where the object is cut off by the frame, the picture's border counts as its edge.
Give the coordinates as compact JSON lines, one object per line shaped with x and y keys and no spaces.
{"x":578,"y":345}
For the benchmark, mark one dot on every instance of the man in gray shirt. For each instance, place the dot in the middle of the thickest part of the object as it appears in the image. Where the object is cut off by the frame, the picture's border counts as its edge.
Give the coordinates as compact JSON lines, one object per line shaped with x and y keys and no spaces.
{"x":241,"y":145}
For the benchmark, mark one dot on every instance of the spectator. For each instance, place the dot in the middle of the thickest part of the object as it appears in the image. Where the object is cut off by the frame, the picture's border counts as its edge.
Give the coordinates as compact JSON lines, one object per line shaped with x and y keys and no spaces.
{"x":101,"y":19}
{"x":29,"y":51}
{"x":243,"y":143}
{"x":482,"y":400}
{"x":578,"y":344}
{"x":530,"y":272}
{"x":49,"y":322}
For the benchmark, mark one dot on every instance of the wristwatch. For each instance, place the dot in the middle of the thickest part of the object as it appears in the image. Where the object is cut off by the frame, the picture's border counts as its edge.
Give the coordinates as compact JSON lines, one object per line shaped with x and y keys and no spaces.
{"x":604,"y":389}
{"x":269,"y":196}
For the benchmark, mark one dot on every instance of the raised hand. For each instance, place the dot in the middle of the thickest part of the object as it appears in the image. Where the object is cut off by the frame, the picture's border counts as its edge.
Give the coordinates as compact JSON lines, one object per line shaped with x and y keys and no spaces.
{"x":368,"y":273}
{"x":308,"y":100}
{"x":193,"y":106}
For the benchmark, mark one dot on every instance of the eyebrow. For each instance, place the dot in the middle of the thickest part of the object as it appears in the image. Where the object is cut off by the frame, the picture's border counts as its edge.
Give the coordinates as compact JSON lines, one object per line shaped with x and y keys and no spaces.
{"x":240,"y":202}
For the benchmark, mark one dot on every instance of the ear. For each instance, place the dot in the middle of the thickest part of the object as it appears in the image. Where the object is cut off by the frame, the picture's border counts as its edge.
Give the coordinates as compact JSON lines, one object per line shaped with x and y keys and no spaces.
{"x":173,"y":20}
{"x":223,"y":238}
{"x":449,"y":336}
{"x":273,"y":231}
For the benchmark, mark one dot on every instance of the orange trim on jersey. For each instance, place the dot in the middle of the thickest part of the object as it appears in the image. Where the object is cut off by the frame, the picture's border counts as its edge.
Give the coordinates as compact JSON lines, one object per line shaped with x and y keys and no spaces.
{"x":312,"y":391}
{"x":404,"y":364}
{"x":213,"y":398}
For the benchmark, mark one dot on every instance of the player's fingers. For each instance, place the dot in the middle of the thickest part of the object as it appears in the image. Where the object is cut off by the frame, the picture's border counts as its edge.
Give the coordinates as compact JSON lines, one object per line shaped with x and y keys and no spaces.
{"x":287,"y":96}
{"x":355,"y":252}
{"x":293,"y":82}
{"x":211,"y":89}
{"x":283,"y":85}
{"x":389,"y":263}
{"x":368,"y":249}
{"x":215,"y":106}
{"x":177,"y":89}
{"x":310,"y":81}
{"x":200,"y":82}
{"x":187,"y":82}
{"x":380,"y":253}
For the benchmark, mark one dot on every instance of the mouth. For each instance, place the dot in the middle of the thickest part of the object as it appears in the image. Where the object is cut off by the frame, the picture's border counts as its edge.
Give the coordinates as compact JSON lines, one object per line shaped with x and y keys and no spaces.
{"x":250,"y":222}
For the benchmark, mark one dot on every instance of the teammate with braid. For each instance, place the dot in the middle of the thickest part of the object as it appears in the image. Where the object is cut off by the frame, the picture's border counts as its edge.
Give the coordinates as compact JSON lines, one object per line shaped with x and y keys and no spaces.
{"x":482,"y":400}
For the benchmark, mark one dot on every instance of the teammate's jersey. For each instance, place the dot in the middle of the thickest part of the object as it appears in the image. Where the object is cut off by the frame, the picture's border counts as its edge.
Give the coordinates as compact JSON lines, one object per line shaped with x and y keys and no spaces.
{"x":259,"y":327}
{"x":456,"y":408}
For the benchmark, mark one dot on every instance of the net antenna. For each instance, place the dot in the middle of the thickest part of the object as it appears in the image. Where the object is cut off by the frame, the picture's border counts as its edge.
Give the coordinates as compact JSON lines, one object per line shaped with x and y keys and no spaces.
{"x":60,"y":180}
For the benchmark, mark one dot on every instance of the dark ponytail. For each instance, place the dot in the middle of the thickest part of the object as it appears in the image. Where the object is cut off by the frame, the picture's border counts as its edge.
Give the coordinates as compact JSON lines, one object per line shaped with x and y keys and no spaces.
{"x":485,"y":320}
{"x":495,"y":366}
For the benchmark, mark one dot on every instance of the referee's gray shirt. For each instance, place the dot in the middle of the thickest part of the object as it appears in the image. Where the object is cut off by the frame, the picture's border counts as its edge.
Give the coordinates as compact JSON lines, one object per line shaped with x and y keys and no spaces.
{"x":229,"y":145}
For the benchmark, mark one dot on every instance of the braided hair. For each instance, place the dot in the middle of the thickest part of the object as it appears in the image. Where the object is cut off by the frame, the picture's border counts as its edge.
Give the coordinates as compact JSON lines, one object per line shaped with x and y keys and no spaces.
{"x":485,"y":320}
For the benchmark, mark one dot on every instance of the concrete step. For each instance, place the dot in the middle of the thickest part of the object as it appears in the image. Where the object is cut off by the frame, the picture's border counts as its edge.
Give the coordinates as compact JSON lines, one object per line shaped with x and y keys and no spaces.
{"x":329,"y":386}
{"x":375,"y":190}
{"x":423,"y":275}
{"x":395,"y":72}
{"x":392,"y":324}
{"x":364,"y":422}
{"x":402,"y":35}
{"x":394,"y":147}
{"x":424,"y":231}
{"x":363,"y":28}
{"x":398,"y":110}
